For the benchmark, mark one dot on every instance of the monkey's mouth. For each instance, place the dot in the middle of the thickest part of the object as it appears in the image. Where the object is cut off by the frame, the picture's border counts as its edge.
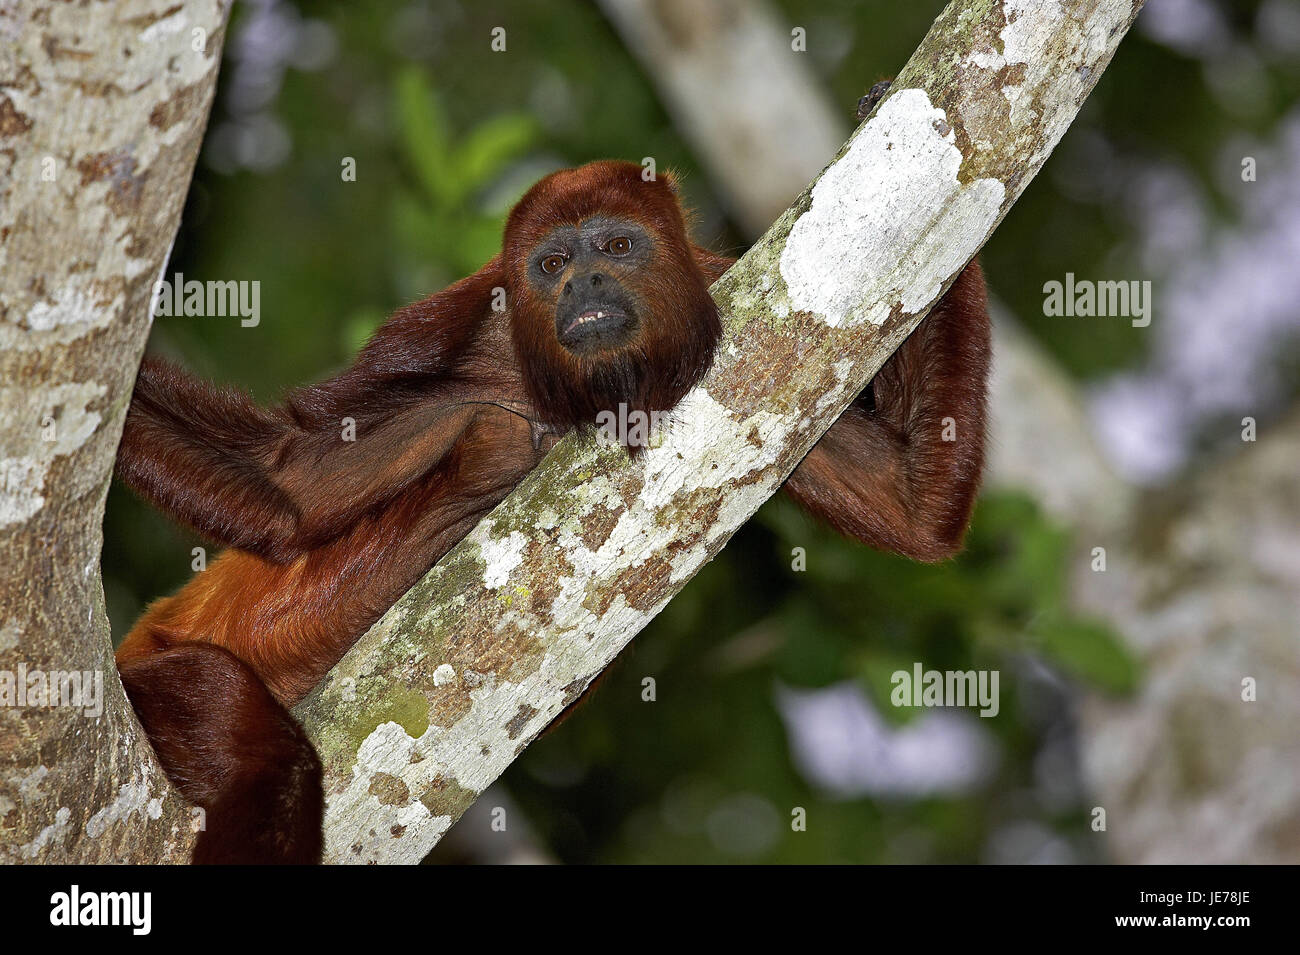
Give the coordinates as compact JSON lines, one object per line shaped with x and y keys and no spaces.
{"x":607,"y":313}
{"x":594,"y":326}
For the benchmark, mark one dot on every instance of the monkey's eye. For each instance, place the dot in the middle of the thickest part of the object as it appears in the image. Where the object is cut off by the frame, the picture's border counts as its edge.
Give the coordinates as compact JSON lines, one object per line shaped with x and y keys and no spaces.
{"x":619,"y":245}
{"x":553,"y":263}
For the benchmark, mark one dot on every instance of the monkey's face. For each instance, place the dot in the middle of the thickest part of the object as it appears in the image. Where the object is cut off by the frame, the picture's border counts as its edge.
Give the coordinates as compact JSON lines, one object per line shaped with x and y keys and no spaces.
{"x":590,"y":272}
{"x":608,"y":306}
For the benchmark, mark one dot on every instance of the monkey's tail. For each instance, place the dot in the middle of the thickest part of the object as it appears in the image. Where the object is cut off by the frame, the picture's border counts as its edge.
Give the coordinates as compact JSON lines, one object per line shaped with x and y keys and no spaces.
{"x":231,"y":749}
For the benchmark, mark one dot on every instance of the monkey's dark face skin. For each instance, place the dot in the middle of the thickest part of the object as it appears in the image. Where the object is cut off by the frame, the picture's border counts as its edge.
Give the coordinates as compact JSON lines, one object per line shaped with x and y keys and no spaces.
{"x":589,"y":272}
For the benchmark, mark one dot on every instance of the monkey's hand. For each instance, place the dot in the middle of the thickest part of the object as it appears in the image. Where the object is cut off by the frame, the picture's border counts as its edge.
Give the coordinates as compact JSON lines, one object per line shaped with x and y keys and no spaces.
{"x":545,"y":436}
{"x":874,"y":95}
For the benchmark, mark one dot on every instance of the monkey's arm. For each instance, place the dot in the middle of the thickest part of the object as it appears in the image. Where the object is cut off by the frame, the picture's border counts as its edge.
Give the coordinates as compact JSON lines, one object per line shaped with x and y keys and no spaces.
{"x":255,"y":479}
{"x":901,"y":467}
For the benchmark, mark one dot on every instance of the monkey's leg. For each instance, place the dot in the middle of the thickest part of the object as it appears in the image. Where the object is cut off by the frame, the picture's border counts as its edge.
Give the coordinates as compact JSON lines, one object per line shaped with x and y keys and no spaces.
{"x":901,"y":467}
{"x":232,"y":750}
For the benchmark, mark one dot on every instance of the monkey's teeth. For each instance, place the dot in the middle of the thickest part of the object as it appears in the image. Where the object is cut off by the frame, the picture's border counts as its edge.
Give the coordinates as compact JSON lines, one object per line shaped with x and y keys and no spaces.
{"x":594,"y":315}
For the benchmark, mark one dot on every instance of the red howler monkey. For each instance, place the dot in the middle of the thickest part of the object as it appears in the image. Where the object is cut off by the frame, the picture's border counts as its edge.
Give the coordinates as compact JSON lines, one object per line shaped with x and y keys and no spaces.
{"x":606,"y":303}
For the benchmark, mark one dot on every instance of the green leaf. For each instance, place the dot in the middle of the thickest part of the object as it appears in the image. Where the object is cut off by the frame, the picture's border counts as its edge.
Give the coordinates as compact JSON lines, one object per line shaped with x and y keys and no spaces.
{"x":1089,"y":650}
{"x":423,"y":126}
{"x":492,"y":145}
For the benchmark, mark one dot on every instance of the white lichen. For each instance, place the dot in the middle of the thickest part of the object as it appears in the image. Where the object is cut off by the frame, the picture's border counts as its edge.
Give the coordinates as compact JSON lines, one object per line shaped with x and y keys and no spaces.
{"x":46,"y":423}
{"x":166,"y":27}
{"x":890,"y":222}
{"x":501,"y":556}
{"x":131,"y":797}
{"x":57,"y":831}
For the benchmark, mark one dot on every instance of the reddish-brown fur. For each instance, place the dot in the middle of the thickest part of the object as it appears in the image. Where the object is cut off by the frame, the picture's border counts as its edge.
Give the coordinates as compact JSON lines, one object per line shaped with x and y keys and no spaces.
{"x":324,"y":534}
{"x":228,"y":746}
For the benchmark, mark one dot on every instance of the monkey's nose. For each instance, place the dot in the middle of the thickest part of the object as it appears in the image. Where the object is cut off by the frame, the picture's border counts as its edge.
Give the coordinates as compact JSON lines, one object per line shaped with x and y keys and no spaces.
{"x":596,"y":280}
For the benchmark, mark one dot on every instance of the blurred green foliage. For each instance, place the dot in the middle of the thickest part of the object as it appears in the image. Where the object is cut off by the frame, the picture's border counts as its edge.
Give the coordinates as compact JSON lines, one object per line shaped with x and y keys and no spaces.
{"x":444,"y":136}
{"x":442,"y":223}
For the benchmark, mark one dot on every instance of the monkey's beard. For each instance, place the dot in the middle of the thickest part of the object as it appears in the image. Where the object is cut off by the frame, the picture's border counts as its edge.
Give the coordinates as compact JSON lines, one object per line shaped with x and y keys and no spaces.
{"x":650,"y":374}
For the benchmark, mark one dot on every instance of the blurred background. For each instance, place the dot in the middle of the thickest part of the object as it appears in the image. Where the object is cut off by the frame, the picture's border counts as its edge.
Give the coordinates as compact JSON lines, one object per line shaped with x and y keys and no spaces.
{"x":1160,"y":685}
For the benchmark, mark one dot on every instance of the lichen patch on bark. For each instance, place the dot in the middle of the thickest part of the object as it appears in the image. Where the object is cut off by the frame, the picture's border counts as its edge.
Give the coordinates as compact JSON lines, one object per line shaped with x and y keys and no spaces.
{"x":896,"y":188}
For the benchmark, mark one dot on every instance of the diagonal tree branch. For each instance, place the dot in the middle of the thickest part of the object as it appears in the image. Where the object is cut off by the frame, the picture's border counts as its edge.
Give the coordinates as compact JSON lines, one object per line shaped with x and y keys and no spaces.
{"x":453,"y":682}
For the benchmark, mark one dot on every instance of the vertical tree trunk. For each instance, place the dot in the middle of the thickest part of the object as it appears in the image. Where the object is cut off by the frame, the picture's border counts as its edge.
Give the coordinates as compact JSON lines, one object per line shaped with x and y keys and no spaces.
{"x":102,"y":109}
